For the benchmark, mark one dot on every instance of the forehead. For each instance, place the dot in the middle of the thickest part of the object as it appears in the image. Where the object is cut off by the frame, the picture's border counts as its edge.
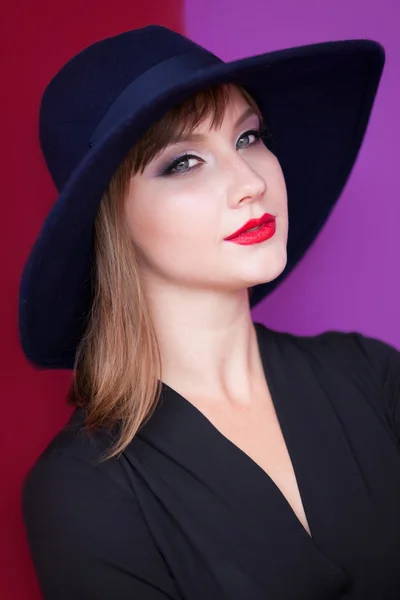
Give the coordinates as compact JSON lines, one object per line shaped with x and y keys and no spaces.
{"x":199,"y":133}
{"x":236,"y":111}
{"x":234,"y":107}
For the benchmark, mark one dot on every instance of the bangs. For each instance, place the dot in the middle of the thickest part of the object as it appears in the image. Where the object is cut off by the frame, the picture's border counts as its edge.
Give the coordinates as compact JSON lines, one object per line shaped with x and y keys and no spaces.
{"x":181,"y":119}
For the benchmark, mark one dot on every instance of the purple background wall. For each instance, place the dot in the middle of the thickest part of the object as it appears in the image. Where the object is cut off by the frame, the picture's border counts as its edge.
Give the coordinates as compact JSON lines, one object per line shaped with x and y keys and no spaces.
{"x":349,"y":279}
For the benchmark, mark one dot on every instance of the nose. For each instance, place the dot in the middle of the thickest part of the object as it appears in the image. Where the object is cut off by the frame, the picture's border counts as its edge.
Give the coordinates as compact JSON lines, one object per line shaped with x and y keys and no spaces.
{"x":247,"y":184}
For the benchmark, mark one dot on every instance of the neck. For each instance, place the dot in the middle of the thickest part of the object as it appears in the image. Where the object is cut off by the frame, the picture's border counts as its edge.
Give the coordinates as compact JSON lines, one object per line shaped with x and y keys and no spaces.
{"x":208,"y":347}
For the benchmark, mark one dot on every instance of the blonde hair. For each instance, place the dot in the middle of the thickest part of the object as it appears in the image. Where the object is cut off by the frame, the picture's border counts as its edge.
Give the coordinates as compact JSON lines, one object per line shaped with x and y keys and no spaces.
{"x":117,"y":369}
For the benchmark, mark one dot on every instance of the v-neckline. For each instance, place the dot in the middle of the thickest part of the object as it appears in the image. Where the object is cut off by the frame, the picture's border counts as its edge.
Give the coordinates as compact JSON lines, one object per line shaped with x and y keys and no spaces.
{"x":188,"y":476}
{"x":261,"y":335}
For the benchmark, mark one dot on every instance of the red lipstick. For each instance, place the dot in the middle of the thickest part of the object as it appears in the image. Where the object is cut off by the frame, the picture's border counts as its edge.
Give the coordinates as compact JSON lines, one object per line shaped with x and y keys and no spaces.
{"x":266,"y":227}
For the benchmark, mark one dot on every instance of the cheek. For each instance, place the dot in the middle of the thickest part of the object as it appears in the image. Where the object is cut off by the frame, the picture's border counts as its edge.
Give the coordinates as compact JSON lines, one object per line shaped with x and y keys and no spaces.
{"x":266,"y":164}
{"x":169,"y":223}
{"x":279,"y":173}
{"x":277,"y":184}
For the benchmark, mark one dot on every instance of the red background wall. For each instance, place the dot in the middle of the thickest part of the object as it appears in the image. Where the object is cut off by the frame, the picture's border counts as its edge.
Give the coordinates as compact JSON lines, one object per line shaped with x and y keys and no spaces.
{"x":36,"y":38}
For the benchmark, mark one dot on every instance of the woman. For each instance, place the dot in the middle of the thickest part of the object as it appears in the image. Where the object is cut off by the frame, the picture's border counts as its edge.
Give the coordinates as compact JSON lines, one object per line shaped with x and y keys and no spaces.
{"x":207,"y":456}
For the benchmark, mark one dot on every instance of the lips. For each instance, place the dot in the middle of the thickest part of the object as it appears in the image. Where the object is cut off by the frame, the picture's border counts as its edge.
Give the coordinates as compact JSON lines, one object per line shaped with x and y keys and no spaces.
{"x":265,"y":218}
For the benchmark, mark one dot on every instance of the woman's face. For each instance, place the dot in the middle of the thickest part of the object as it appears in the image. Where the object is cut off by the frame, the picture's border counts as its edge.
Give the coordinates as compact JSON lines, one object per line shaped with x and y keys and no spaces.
{"x":182,"y":207}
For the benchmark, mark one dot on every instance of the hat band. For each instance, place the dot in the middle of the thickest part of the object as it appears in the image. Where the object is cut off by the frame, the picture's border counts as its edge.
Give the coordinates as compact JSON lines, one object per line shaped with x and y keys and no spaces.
{"x":165,"y":75}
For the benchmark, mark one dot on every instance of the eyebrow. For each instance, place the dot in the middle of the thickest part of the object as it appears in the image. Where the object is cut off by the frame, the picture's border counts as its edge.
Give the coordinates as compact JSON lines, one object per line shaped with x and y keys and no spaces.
{"x":192,"y":137}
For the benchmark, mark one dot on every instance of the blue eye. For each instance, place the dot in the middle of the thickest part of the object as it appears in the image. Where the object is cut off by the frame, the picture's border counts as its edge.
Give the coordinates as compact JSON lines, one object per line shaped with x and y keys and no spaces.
{"x":173,"y":168}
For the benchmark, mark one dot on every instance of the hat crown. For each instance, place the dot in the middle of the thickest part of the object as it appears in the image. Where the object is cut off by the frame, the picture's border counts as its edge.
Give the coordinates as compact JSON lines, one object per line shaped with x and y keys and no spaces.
{"x":79,"y":95}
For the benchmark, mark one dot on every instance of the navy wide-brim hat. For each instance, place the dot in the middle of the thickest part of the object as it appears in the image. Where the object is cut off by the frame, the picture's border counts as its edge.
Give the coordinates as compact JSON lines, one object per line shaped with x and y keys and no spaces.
{"x":316,"y":101}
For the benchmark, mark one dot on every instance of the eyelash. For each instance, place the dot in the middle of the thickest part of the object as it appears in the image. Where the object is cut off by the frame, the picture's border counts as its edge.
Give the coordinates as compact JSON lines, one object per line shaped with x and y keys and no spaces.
{"x":168,"y":171}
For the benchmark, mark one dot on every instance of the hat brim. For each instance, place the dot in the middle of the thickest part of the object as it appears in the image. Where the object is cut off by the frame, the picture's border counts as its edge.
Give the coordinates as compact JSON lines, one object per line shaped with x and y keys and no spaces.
{"x":316,"y":101}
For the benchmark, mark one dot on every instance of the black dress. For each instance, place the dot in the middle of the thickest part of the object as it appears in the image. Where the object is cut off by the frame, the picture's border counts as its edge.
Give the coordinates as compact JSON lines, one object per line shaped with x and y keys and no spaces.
{"x":184,"y":513}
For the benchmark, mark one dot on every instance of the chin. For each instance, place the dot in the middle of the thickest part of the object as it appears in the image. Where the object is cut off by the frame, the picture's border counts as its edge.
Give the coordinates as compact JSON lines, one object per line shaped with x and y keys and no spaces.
{"x":270,"y":269}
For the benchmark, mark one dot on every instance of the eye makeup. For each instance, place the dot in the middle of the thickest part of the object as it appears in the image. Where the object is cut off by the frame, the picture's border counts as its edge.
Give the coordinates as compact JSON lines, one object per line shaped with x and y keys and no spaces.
{"x":170,"y":168}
